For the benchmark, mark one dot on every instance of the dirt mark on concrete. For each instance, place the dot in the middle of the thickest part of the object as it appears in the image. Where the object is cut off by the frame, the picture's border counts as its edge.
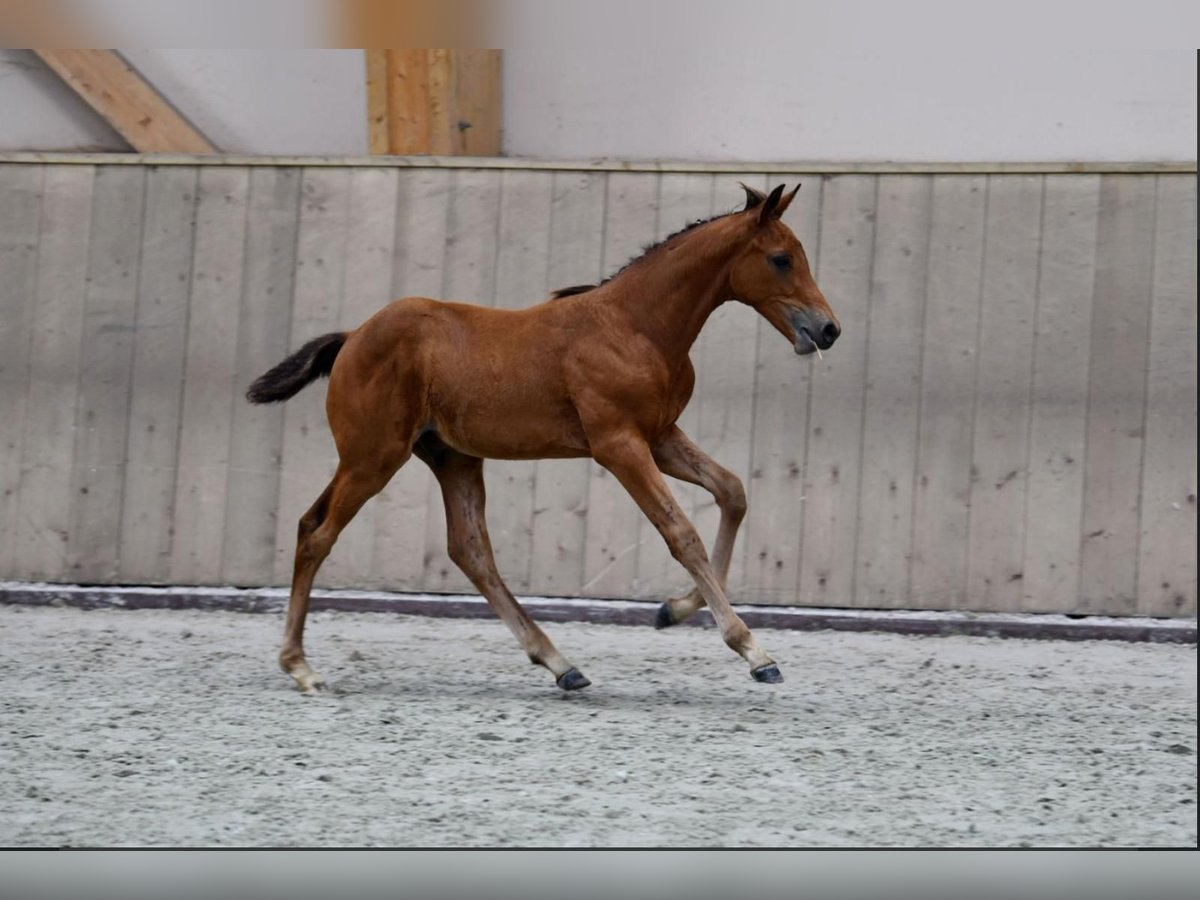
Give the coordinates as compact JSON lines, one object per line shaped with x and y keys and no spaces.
{"x":175,"y":728}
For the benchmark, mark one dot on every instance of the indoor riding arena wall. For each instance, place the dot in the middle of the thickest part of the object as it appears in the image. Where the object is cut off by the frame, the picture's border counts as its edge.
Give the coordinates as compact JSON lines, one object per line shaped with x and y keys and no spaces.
{"x":1008,"y":422}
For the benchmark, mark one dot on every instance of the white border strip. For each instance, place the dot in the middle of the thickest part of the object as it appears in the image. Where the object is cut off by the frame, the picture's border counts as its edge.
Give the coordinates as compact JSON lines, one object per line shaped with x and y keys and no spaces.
{"x":804,"y":167}
{"x":799,"y":613}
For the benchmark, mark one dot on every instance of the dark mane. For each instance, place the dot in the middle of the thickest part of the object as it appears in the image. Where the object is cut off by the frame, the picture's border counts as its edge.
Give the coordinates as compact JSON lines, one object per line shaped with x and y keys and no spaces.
{"x":646,"y":251}
{"x":571,"y":291}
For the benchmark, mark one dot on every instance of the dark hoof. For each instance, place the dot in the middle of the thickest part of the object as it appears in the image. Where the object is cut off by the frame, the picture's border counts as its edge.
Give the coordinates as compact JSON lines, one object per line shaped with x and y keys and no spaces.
{"x":663,"y":619}
{"x":768,"y":674}
{"x":572,"y":680}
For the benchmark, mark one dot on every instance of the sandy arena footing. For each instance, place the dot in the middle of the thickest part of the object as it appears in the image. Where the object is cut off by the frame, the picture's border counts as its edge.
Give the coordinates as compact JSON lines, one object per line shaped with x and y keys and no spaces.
{"x":174,"y":727}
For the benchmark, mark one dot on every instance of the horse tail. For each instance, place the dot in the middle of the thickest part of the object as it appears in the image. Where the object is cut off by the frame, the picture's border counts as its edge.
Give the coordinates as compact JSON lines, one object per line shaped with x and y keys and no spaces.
{"x":312,"y":361}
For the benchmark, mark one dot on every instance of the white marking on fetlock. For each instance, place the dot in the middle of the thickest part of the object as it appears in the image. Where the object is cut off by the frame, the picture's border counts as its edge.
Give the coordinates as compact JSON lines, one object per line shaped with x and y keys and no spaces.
{"x":758,"y":658}
{"x":752,"y":653}
{"x":683,"y":608}
{"x":557,"y":665}
{"x":310,"y":682}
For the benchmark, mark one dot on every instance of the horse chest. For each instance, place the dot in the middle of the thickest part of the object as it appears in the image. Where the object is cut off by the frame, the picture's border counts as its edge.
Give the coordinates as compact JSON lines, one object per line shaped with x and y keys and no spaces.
{"x":656,"y":397}
{"x":680,"y":384}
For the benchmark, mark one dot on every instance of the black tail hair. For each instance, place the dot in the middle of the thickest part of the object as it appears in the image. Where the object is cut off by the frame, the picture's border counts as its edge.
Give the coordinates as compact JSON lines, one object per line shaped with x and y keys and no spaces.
{"x":312,"y":361}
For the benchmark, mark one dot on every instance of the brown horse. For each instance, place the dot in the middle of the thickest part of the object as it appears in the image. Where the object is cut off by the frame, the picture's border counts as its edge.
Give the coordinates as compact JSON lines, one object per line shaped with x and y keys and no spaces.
{"x":603,"y":374}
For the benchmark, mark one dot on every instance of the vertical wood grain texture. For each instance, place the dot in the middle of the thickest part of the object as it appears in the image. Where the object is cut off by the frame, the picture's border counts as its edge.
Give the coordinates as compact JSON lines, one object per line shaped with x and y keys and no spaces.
{"x":440,"y":86}
{"x":560,"y":502}
{"x":44,"y":510}
{"x":264,"y":317}
{"x":1006,"y":339}
{"x":724,"y":359}
{"x":682,"y":199}
{"x":105,"y":374}
{"x":1167,"y":550}
{"x":445,"y":102}
{"x":831,"y":464}
{"x":309,"y":456}
{"x":408,"y":102}
{"x":950,"y":334}
{"x":1058,"y":409}
{"x":402,"y":509}
{"x":1116,"y":394}
{"x":469,"y":275}
{"x":770,"y":538}
{"x":20,"y":211}
{"x":148,"y":519}
{"x":478,"y":128}
{"x":612,"y":534}
{"x":892,"y":391}
{"x":1038,"y":325}
{"x":209,"y":387}
{"x":366,"y":288}
{"x":378,"y":142}
{"x":521,"y":280}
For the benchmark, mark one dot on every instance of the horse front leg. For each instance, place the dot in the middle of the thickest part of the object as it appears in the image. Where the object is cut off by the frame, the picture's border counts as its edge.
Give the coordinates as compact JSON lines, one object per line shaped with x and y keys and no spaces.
{"x":678,"y":457}
{"x":630,"y":459}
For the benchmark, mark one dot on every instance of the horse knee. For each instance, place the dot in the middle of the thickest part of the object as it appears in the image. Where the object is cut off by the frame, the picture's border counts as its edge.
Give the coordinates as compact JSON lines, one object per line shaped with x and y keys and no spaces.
{"x":464,"y":551}
{"x":306,"y":526}
{"x":732,"y":497}
{"x":314,"y":544}
{"x":685,"y":544}
{"x":458,"y":553}
{"x":313,"y":518}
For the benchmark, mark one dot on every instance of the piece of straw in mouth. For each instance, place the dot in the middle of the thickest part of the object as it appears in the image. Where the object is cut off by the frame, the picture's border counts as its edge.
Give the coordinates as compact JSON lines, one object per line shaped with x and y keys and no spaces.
{"x":819,"y":356}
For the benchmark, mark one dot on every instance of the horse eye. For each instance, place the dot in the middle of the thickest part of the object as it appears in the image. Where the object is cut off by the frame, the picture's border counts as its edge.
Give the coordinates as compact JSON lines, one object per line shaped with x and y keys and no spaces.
{"x":781,"y":261}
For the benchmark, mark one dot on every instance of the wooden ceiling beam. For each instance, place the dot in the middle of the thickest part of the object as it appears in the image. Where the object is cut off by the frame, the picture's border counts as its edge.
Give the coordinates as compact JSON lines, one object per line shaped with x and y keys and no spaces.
{"x":126,"y":101}
{"x":378,"y":110}
{"x":444,"y":102}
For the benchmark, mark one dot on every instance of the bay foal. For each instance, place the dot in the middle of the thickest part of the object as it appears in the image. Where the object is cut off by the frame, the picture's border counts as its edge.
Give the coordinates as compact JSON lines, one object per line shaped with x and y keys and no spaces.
{"x":599,"y":371}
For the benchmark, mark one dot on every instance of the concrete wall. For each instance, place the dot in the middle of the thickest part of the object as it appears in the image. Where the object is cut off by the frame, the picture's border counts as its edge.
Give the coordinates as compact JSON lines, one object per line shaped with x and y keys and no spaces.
{"x":245,"y":101}
{"x":817,"y":102}
{"x":813,"y":98}
{"x":1008,"y":422}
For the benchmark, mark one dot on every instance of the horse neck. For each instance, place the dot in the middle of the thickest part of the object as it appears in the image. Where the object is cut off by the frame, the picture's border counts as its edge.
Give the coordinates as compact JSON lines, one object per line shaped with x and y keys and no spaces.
{"x":669,"y":297}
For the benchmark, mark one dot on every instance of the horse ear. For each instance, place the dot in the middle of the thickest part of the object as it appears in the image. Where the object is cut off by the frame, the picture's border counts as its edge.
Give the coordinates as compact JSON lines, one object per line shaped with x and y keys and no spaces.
{"x":768,"y":207}
{"x":786,"y":202}
{"x":753,"y":197}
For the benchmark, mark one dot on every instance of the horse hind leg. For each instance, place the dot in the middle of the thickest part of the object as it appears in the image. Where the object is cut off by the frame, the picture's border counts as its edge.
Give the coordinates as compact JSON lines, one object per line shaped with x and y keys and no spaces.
{"x":351,"y":487}
{"x":461,"y":479}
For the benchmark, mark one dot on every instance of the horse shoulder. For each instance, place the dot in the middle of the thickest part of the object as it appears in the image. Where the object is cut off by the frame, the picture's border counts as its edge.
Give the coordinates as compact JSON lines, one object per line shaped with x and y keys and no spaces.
{"x":620,"y":384}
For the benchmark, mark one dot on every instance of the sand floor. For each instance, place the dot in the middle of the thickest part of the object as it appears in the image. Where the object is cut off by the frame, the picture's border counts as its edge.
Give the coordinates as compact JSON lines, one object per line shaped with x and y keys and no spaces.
{"x":136,"y":728}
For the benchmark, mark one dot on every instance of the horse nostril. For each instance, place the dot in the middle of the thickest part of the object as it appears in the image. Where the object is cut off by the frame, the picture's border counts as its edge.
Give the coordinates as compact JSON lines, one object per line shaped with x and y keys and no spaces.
{"x":830,"y":334}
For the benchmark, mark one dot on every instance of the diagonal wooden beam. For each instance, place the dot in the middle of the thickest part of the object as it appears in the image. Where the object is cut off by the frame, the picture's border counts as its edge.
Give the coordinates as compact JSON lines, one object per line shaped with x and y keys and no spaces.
{"x":125,"y":100}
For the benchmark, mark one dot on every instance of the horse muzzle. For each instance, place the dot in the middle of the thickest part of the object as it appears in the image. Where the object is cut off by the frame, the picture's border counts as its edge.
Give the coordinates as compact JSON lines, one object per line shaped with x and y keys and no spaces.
{"x":812,"y":331}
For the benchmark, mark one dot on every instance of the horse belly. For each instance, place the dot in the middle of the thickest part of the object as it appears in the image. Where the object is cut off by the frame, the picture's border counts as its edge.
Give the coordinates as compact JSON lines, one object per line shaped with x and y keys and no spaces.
{"x":496,"y":428}
{"x":496,"y":388}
